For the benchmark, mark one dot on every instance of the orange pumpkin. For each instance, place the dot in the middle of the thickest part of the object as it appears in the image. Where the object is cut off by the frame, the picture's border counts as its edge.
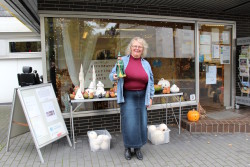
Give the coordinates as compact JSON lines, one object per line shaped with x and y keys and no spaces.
{"x":164,"y":91}
{"x":193,"y":115}
{"x":168,"y":89}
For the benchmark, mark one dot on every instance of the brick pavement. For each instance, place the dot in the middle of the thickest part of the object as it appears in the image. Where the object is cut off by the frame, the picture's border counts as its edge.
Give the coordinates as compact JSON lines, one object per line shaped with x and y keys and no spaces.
{"x":212,"y":149}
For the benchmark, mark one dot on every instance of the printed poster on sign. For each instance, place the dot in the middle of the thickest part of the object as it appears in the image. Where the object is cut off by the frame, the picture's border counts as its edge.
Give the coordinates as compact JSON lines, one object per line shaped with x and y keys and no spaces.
{"x":39,"y":127}
{"x":31,"y":106}
{"x":56,"y":130}
{"x":44,"y":94}
{"x":50,"y":113}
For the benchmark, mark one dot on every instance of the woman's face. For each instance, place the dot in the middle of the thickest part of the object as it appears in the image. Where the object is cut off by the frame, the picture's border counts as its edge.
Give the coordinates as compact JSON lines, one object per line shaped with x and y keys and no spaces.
{"x":136,"y":49}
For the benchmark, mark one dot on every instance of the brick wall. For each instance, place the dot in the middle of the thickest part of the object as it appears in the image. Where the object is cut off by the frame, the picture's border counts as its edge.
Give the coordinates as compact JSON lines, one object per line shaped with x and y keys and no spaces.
{"x":112,"y":122}
{"x":154,"y":117}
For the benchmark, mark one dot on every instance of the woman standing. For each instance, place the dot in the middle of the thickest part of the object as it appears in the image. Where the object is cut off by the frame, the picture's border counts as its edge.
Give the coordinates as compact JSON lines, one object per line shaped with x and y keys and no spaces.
{"x":134,"y":93}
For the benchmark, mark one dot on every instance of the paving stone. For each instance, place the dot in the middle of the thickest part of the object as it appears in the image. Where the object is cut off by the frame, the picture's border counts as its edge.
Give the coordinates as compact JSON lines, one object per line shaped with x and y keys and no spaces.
{"x":230,"y":149}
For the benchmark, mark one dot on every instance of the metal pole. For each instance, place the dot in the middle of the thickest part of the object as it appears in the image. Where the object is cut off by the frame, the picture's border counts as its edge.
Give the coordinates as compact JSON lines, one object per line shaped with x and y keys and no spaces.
{"x":166,"y":110}
{"x":72,"y":126}
{"x":70,"y":121}
{"x":70,"y":144}
{"x":40,"y":155}
{"x":11,"y":119}
{"x":180,"y":115}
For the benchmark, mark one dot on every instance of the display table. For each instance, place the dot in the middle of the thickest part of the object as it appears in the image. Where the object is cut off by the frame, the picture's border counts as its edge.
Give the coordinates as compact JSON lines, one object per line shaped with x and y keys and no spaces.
{"x":79,"y":102}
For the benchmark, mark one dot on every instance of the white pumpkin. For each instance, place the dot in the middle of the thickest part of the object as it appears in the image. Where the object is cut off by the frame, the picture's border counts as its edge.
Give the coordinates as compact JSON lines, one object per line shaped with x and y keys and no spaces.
{"x":174,"y":89}
{"x":100,"y":137}
{"x":92,"y":135}
{"x":98,"y":140}
{"x":106,"y":138}
{"x":163,"y":127}
{"x":151,"y":128}
{"x":164,"y":83}
{"x":104,"y":145}
{"x":95,"y":147}
{"x":157,"y":137}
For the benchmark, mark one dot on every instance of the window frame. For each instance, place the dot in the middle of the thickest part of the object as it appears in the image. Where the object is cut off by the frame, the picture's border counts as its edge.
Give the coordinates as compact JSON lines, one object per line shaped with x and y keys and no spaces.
{"x":24,"y":54}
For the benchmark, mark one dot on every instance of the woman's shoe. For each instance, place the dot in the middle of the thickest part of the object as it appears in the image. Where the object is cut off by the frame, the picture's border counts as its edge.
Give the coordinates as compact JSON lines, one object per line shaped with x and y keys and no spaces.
{"x":127,"y":153}
{"x":138,"y":153}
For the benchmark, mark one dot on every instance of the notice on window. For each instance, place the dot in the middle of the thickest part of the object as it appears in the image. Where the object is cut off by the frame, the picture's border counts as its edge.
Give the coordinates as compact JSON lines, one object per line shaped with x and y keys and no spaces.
{"x":50,"y":113}
{"x":39,"y":127}
{"x":225,"y":54}
{"x":216,"y":51}
{"x":205,"y":39}
{"x":44,"y":94}
{"x":164,"y":42}
{"x":215,"y":35}
{"x":31,"y":106}
{"x":211,"y":75}
{"x":184,"y":43}
{"x":56,"y":130}
{"x":205,"y":49}
{"x":207,"y":58}
{"x":225,"y":36}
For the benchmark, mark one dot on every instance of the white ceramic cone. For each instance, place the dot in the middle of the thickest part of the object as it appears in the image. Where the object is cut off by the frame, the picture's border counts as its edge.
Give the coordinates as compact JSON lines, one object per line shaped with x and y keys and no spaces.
{"x":94,"y":78}
{"x":79,"y":94}
{"x":81,"y":79}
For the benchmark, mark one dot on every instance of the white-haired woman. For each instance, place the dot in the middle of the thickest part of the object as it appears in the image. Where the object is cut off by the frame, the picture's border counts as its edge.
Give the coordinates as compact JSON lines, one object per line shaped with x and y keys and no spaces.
{"x":134,"y":94}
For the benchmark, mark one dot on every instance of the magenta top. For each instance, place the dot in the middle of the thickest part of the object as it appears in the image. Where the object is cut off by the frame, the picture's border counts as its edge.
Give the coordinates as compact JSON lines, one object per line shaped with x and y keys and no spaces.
{"x":136,"y":77}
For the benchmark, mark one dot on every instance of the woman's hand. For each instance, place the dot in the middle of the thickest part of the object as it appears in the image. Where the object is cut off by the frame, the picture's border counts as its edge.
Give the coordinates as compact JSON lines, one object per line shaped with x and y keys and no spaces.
{"x":115,"y":77}
{"x":150,"y":103}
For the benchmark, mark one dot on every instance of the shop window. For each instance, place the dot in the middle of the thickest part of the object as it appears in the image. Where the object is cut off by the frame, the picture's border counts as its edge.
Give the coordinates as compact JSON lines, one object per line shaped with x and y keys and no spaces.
{"x":71,"y":42}
{"x":215,"y":66}
{"x":25,"y":46}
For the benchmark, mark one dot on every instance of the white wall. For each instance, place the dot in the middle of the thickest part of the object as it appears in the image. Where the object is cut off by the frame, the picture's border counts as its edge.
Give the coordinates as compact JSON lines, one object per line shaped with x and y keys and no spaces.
{"x":12,"y":63}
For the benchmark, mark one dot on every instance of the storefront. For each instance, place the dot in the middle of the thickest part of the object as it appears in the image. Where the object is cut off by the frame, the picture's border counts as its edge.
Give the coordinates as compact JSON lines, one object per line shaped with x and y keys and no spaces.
{"x":195,"y":54}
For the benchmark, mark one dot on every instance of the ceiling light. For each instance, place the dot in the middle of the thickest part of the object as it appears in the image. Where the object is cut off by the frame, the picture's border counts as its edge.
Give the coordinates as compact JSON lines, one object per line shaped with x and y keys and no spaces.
{"x":84,"y":36}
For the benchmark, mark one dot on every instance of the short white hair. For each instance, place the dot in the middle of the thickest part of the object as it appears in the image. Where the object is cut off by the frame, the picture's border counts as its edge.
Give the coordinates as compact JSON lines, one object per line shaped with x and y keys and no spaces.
{"x":142,"y":42}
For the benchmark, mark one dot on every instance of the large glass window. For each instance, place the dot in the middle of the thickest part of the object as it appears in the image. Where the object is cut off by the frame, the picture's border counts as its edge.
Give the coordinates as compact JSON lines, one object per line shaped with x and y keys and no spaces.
{"x":215,"y":58}
{"x":71,"y":42}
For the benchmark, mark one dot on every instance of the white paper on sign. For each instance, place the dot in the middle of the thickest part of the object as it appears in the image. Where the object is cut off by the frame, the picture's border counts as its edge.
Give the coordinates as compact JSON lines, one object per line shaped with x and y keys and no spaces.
{"x":211,"y":75}
{"x":39,"y":127}
{"x":31,"y":106}
{"x":44,"y":94}
{"x":50,"y":113}
{"x":56,"y":130}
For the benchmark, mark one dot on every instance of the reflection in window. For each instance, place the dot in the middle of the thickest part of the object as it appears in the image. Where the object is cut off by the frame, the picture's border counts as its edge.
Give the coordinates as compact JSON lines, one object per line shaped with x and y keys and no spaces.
{"x":71,"y":42}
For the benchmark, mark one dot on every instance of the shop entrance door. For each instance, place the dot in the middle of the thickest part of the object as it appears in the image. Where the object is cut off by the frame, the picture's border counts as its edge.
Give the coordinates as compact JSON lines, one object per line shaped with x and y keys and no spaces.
{"x":215,"y":52}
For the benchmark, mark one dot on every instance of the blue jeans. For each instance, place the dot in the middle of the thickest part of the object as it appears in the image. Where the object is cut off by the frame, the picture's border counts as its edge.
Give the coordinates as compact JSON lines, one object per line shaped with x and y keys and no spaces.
{"x":134,"y":119}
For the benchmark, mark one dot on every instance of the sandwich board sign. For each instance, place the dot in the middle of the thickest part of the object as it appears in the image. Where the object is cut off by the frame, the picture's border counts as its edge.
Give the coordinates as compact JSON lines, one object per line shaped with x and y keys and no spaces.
{"x":35,"y":109}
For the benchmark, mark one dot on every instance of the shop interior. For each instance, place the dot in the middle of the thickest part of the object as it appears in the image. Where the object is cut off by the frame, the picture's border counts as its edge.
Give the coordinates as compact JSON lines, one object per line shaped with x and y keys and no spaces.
{"x":171,"y":54}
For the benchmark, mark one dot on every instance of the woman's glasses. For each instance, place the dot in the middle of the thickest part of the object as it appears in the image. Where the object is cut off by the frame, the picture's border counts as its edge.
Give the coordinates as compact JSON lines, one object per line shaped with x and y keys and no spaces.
{"x":135,"y":46}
